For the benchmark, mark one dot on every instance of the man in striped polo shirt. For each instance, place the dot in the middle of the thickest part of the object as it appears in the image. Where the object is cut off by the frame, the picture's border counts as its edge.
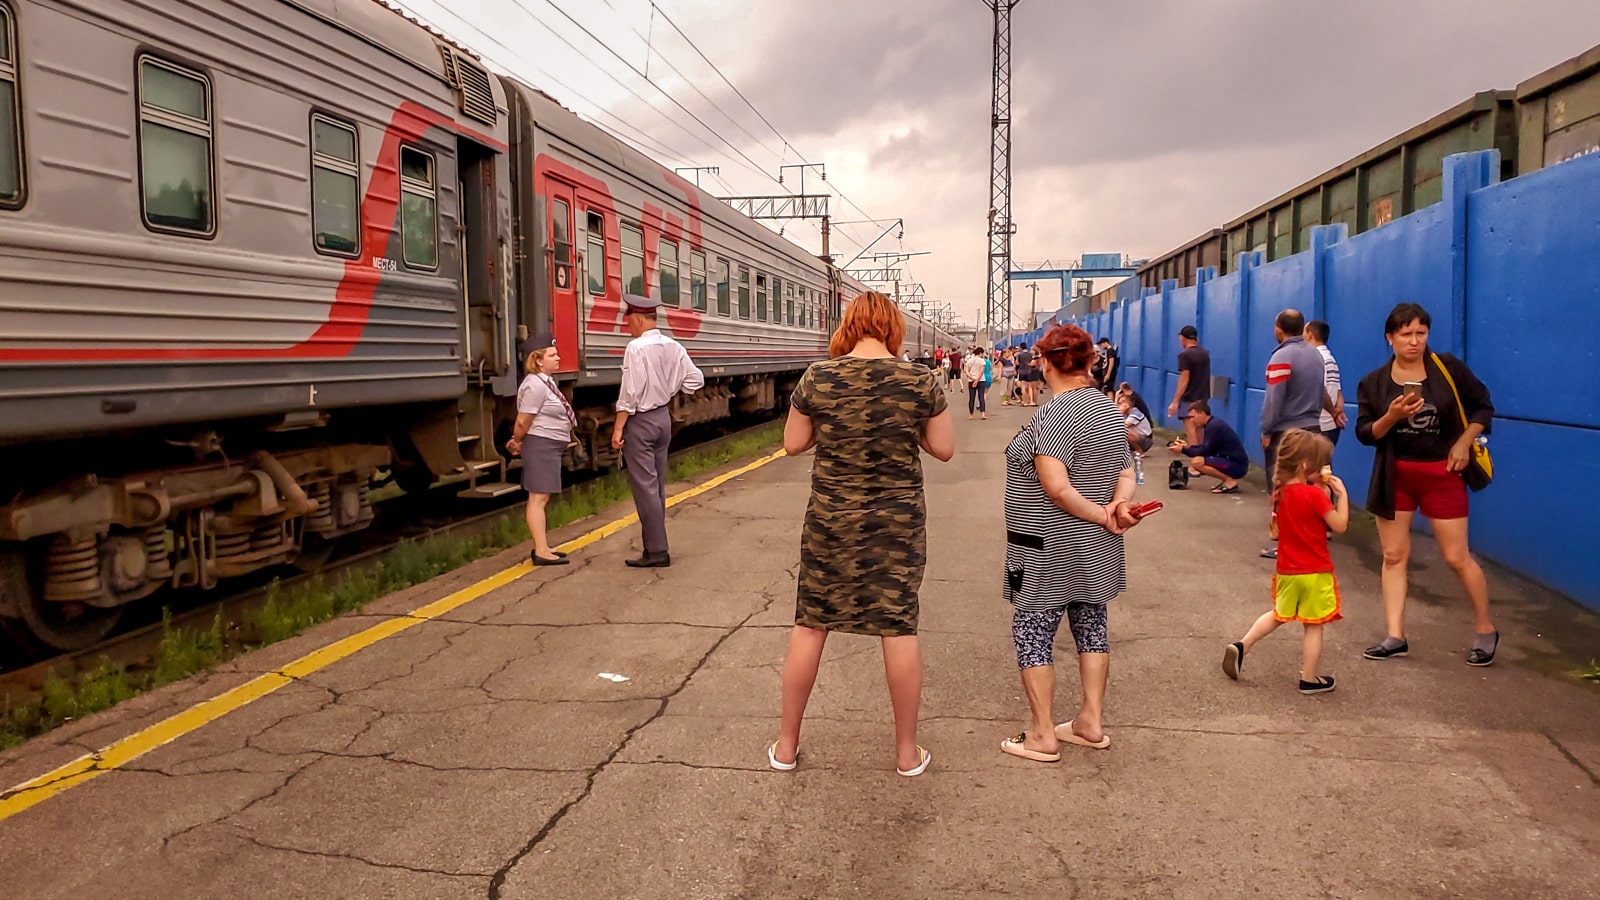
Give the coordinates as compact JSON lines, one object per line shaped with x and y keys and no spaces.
{"x":1295,"y":397}
{"x":1333,"y":417}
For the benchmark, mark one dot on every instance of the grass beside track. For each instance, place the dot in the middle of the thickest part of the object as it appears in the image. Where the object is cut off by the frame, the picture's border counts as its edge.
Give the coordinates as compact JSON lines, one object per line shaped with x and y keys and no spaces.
{"x":290,"y":609}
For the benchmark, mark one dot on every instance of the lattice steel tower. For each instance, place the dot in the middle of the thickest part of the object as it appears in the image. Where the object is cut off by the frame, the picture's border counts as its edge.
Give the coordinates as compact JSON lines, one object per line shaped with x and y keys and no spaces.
{"x":1001,"y":227}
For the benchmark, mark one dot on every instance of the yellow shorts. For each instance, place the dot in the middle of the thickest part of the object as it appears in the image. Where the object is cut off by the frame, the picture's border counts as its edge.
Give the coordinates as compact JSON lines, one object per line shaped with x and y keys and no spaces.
{"x":1312,"y":599}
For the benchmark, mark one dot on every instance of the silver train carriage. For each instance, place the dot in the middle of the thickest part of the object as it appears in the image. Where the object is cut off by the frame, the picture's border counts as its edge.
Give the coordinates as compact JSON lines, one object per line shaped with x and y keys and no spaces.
{"x":257,"y":258}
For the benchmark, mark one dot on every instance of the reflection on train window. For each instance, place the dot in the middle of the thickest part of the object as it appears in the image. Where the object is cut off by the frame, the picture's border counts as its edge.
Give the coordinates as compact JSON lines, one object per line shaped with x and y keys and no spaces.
{"x":419,"y":209}
{"x":724,"y":304}
{"x":697,"y":280}
{"x":561,"y":244}
{"x":788,"y":304}
{"x":744,"y":293}
{"x":761,"y":297}
{"x":175,"y":148}
{"x":10,"y":117}
{"x":632,"y":260}
{"x":667,"y":273}
{"x":335,"y":187}
{"x":596,"y":263}
{"x":777,"y":300}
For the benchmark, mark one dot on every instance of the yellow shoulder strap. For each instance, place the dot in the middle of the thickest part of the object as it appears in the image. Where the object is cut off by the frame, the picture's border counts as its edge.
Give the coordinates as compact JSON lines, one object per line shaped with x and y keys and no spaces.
{"x":1452,"y":382}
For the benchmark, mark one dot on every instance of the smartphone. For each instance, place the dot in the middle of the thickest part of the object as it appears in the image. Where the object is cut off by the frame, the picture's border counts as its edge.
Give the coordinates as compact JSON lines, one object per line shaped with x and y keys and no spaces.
{"x":1412,"y":389}
{"x":1141,"y":510}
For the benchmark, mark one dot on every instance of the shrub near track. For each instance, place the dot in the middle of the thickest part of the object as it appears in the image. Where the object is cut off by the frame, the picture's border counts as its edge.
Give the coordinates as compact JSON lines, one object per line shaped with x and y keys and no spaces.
{"x":290,"y":609}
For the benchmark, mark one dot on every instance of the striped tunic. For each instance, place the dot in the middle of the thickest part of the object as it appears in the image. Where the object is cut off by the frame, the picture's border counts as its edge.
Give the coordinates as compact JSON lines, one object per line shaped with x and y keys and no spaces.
{"x":1063,"y":559}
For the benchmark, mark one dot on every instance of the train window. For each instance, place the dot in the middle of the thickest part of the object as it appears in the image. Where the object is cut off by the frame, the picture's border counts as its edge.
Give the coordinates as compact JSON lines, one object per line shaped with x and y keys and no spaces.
{"x":335,"y":187}
{"x":697,"y":280}
{"x":175,"y":148}
{"x":744,"y":293}
{"x":632,"y":261}
{"x":596,"y":263}
{"x":761,"y":297}
{"x":667,"y":274}
{"x":777,"y":300}
{"x":561,"y":244}
{"x":724,"y":302}
{"x":788,"y":303}
{"x":419,"y":209}
{"x":10,"y":118}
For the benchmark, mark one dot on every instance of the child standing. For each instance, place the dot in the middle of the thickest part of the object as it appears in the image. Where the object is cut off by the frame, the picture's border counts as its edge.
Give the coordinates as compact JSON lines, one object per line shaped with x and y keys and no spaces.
{"x":1304,"y":588}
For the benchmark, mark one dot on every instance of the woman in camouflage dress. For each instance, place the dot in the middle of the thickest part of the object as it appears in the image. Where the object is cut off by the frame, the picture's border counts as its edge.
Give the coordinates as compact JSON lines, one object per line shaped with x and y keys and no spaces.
{"x":863,"y":546}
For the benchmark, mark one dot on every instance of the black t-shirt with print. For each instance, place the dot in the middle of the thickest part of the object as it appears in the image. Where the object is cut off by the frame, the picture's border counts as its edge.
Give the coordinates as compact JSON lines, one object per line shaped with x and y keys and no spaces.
{"x":1422,"y":437}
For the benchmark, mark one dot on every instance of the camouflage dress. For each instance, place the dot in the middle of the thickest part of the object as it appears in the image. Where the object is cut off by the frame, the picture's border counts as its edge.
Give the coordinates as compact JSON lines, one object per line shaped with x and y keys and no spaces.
{"x":864,"y":545}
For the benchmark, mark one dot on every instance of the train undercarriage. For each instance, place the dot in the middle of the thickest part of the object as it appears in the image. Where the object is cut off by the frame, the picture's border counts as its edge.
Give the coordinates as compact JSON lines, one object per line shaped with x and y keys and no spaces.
{"x":78,"y":543}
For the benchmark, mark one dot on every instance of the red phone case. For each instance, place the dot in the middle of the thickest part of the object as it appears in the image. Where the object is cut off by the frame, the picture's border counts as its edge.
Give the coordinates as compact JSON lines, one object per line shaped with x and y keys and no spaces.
{"x":1145,"y":509}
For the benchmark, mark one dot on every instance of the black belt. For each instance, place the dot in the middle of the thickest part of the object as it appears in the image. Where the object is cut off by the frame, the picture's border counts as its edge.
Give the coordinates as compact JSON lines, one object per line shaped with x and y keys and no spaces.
{"x":1031,"y":541}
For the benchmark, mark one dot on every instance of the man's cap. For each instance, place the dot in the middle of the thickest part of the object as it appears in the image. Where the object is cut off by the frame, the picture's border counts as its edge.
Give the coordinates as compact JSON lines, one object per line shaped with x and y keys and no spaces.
{"x":536,"y":343}
{"x":640,"y":304}
{"x":1189,"y":332}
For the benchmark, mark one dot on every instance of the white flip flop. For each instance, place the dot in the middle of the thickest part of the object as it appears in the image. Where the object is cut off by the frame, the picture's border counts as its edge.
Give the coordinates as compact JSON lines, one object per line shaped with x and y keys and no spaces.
{"x":772,"y":759}
{"x":921,"y":767}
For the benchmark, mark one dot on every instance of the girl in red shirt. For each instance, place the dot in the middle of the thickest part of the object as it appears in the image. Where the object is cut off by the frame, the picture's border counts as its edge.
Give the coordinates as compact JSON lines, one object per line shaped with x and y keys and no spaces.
{"x":1304,"y":589}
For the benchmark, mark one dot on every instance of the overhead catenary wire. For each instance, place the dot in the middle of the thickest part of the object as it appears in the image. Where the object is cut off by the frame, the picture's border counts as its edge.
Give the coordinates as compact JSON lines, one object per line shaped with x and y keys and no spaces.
{"x":647,"y":144}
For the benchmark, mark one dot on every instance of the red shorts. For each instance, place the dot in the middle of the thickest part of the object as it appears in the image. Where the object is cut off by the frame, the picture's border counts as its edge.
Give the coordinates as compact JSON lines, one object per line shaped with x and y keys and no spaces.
{"x":1431,"y":487}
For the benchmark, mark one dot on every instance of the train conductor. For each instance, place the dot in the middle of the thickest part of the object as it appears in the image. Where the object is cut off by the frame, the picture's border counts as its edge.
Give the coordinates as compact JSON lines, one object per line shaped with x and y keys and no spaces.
{"x":654,"y":368}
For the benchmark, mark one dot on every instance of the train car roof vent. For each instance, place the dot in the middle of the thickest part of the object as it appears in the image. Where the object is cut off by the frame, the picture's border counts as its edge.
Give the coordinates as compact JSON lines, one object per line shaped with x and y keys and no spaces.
{"x":471,"y":81}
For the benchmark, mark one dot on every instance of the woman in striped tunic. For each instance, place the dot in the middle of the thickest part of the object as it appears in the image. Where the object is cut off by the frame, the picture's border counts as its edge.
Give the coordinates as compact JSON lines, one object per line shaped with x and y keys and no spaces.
{"x":1069,"y":479}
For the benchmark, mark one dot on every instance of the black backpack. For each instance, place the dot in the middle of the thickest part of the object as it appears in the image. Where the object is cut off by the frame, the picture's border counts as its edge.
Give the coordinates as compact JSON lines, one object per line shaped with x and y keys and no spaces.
{"x":1177,"y":475}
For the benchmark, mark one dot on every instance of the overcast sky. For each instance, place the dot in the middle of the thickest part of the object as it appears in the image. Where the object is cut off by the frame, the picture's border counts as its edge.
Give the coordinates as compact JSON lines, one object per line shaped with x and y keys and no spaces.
{"x":1137,"y":124}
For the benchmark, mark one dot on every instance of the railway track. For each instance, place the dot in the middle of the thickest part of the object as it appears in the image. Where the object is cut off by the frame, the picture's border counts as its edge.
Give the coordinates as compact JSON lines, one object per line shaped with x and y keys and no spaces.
{"x":406,"y":518}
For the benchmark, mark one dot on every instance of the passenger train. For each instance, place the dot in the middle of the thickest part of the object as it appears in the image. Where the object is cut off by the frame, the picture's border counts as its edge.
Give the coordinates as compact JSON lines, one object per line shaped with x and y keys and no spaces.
{"x":258,"y":258}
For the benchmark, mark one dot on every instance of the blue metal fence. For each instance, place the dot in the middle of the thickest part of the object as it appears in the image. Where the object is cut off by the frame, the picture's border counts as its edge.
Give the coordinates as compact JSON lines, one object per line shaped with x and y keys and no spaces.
{"x":1511,"y":275}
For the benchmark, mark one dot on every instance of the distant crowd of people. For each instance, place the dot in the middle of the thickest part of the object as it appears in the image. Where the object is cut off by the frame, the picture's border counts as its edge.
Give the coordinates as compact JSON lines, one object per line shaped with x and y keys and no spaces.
{"x":1070,"y":480}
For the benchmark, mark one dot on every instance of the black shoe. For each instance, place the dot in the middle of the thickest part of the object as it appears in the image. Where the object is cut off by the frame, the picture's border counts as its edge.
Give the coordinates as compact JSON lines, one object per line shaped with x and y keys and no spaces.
{"x":559,"y":560}
{"x":1379,"y":651}
{"x":651,"y":561}
{"x":1476,"y":657}
{"x":1322,"y":685}
{"x":1233,"y":659}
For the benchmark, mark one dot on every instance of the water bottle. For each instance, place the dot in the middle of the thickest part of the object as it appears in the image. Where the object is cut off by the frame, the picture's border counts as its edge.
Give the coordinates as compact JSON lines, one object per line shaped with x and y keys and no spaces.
{"x":1138,"y":469}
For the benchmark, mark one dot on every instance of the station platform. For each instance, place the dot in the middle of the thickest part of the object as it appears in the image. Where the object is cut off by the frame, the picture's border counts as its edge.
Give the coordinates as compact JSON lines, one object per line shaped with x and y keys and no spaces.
{"x":466,"y":738}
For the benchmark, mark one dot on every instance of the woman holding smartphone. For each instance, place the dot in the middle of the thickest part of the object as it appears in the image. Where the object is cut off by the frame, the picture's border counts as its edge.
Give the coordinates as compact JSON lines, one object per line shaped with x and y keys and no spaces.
{"x":1408,"y":410}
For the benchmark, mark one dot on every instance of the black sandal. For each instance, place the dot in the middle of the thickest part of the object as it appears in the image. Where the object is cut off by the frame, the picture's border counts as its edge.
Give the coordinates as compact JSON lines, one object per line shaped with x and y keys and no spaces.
{"x":560,"y":560}
{"x":1322,"y":685}
{"x":1233,"y":660}
{"x":1476,"y":657}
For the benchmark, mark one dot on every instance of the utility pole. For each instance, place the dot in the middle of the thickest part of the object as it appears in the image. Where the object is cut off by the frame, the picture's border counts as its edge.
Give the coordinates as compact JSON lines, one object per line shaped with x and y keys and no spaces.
{"x":1033,"y":306}
{"x":1001,"y":227}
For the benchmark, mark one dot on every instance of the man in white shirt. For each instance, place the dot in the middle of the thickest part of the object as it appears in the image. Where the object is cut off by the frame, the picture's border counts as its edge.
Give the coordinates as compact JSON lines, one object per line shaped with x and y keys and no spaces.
{"x":1332,"y":422}
{"x":654,"y":369}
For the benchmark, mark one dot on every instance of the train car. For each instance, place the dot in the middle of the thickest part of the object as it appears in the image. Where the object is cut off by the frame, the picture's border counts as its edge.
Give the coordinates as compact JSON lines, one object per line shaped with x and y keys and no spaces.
{"x":607,"y":221}
{"x":258,"y":259}
{"x":232,"y":284}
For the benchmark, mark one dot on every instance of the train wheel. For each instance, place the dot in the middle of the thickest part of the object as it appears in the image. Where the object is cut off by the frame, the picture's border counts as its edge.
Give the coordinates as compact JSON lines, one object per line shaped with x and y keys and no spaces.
{"x":36,"y":623}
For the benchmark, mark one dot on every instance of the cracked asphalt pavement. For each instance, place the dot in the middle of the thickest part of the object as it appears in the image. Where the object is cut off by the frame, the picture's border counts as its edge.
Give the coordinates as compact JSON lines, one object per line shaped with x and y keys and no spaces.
{"x":481,"y":755}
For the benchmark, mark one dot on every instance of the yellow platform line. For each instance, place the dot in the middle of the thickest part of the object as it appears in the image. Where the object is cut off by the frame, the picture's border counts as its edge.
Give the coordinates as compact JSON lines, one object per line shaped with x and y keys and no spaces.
{"x":120,"y":753}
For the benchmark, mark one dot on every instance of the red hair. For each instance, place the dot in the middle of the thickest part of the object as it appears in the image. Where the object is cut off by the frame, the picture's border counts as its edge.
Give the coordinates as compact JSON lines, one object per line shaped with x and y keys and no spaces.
{"x":871,"y":315}
{"x":1068,"y":348}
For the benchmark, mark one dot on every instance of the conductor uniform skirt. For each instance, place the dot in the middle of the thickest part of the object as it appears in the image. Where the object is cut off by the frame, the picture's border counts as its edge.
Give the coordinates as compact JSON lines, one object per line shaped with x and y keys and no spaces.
{"x":541,"y":464}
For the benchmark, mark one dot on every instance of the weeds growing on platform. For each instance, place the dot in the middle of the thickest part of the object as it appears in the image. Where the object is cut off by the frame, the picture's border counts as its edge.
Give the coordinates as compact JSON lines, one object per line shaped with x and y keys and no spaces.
{"x":289,"y":610}
{"x":1592,"y":673}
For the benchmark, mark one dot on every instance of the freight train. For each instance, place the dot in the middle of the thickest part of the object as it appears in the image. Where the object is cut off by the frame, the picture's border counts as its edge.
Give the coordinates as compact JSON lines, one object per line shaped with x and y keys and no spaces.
{"x":258,"y":259}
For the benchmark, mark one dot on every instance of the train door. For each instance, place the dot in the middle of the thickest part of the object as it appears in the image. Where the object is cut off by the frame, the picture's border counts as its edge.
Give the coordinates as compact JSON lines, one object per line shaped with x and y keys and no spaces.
{"x":563,"y":275}
{"x":487,"y":349}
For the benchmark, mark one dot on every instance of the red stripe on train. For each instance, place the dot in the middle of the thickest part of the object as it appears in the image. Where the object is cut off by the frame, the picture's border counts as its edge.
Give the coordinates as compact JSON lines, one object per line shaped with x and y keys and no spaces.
{"x":352,"y":299}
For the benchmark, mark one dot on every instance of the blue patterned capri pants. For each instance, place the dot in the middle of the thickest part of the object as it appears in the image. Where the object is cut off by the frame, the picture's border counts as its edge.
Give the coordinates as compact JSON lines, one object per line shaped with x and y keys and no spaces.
{"x":1034,"y":633}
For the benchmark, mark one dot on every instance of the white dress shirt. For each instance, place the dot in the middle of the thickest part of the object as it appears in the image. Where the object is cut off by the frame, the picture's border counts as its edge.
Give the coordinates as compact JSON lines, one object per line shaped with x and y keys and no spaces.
{"x":654,"y":367}
{"x":538,"y":396}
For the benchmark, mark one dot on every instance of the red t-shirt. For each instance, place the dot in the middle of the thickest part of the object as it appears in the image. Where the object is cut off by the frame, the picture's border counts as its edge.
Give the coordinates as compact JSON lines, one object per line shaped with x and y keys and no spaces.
{"x":1302,"y":530}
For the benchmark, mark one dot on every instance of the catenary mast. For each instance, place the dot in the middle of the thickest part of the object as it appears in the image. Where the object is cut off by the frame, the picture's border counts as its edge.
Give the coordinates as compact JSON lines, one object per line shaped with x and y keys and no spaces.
{"x":998,"y":316}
